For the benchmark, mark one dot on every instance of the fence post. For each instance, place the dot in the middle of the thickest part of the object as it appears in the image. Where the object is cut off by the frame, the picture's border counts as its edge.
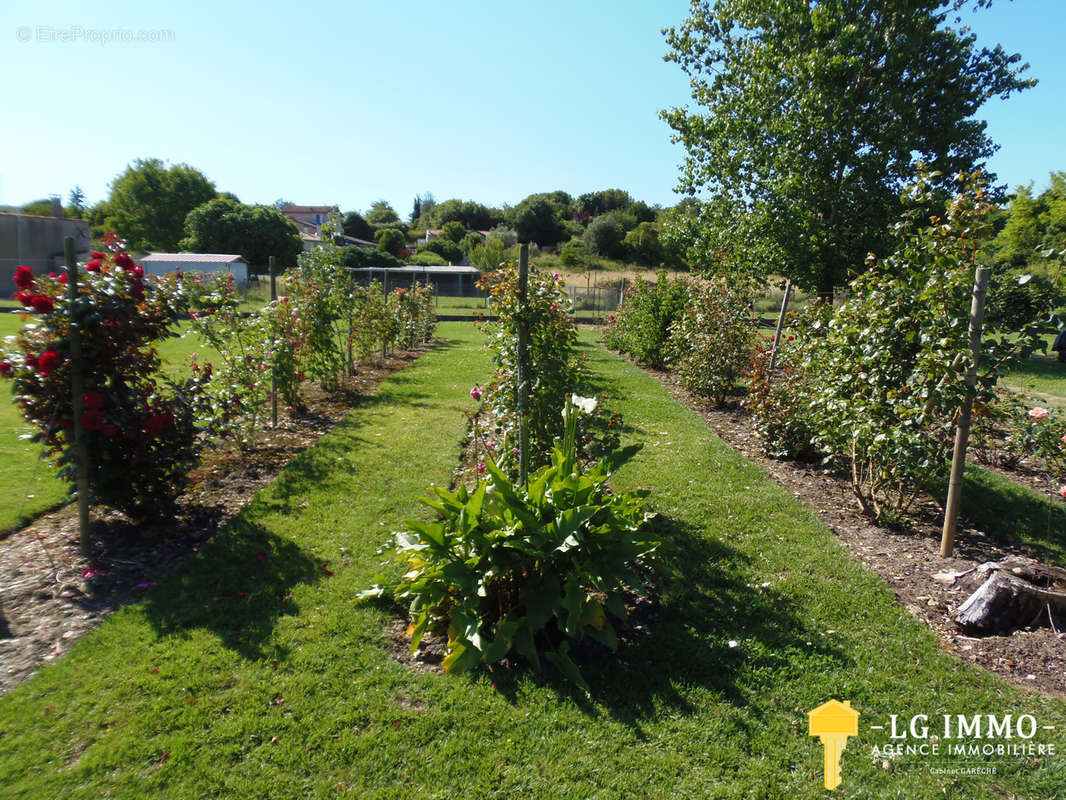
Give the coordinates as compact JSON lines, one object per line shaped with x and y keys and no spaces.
{"x":77,"y":390}
{"x":780,"y":323}
{"x":962,"y":432}
{"x":523,"y":344}
{"x":272,"y":265}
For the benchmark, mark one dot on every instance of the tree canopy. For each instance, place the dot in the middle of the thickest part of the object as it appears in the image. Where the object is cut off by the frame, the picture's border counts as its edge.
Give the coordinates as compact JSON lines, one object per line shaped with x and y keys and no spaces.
{"x":809,"y":119}
{"x":381,"y":213}
{"x":224,"y":225}
{"x":149,"y":202}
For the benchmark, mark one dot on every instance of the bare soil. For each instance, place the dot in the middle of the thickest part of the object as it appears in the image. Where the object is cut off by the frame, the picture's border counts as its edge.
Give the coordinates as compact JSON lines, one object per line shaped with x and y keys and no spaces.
{"x":909,"y":561}
{"x":52,"y":592}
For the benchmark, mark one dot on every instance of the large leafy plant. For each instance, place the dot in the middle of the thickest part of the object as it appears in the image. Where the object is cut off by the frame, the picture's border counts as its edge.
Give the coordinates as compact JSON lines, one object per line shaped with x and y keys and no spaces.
{"x":531,"y":569}
{"x":641,"y":326}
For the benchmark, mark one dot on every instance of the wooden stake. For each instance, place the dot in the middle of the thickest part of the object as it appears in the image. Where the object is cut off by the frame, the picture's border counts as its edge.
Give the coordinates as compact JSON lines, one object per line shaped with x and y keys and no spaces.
{"x":77,"y":391}
{"x":272,"y":262}
{"x":962,"y":433}
{"x":523,"y":344}
{"x":780,"y":324}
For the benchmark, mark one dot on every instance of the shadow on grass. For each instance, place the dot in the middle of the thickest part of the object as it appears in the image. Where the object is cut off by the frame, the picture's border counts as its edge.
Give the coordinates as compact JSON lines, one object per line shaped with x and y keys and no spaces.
{"x":236,"y":587}
{"x":1013,"y":516}
{"x":708,"y":601}
{"x":1045,"y":367}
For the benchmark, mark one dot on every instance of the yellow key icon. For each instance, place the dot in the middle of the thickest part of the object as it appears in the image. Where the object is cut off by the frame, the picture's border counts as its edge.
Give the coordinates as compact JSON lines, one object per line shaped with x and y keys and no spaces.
{"x":833,"y":722}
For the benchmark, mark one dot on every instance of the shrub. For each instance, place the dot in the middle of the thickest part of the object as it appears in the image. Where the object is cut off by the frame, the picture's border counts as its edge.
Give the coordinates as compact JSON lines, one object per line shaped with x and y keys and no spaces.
{"x":712,"y":342}
{"x":574,"y":254}
{"x":448,"y":250}
{"x":888,"y":375}
{"x":426,"y":258}
{"x":414,"y":313}
{"x":604,"y":236}
{"x":143,"y":433}
{"x":552,"y":363}
{"x":390,"y":240}
{"x":530,"y":569}
{"x":355,"y":257}
{"x":641,"y":326}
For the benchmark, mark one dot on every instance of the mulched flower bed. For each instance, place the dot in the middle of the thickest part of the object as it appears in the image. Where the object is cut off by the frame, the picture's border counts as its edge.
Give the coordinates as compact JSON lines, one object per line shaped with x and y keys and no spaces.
{"x":907,"y":560}
{"x":52,"y":594}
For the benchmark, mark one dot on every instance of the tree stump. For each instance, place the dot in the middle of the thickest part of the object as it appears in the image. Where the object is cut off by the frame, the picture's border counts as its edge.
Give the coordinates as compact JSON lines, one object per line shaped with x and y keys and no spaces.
{"x":1015,"y":594}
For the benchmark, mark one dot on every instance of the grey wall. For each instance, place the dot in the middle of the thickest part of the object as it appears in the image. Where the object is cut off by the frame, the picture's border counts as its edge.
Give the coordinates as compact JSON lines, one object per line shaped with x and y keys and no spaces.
{"x":37,"y":242}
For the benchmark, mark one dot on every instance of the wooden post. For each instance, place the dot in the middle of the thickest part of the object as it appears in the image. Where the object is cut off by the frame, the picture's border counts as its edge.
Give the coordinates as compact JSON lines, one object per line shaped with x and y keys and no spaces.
{"x":272,"y":262}
{"x":523,"y":344}
{"x":77,"y":391}
{"x":780,"y":323}
{"x":962,"y":432}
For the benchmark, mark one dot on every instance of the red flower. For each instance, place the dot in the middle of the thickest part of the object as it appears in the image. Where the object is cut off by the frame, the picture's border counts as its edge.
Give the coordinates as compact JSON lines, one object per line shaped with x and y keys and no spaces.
{"x":137,"y":271}
{"x":92,"y":420}
{"x":94,"y":401}
{"x":99,"y":255}
{"x":5,"y":368}
{"x":123,"y":260}
{"x":23,"y":277}
{"x":42,"y":304}
{"x":93,"y":266}
{"x":26,"y":298}
{"x":47,"y":361}
{"x":62,"y":277}
{"x":31,"y":361}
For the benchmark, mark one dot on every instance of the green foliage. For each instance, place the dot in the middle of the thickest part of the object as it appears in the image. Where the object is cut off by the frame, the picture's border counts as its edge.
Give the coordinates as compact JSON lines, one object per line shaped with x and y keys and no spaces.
{"x":427,"y":258}
{"x":469,"y":242}
{"x":809,"y":117}
{"x":381,"y":213}
{"x":356,"y":257}
{"x":712,"y":342}
{"x":1016,"y":297}
{"x":887,"y":377}
{"x":149,"y":202}
{"x":552,"y":363}
{"x":414,"y":313}
{"x":539,"y":218}
{"x":642,"y":245}
{"x":390,"y":240}
{"x":473,"y":216}
{"x":604,"y":236}
{"x":491,"y":254}
{"x":453,"y":231}
{"x":531,"y":570}
{"x":1033,"y":224}
{"x":322,"y":291}
{"x":641,"y":326}
{"x":447,"y":250}
{"x":255,"y":233}
{"x":355,"y":226}
{"x":575,"y":254}
{"x":143,"y":433}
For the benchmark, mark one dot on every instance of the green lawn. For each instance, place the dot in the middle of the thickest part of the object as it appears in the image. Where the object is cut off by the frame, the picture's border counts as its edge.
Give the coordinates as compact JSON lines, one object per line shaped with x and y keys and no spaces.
{"x":28,"y":484}
{"x":252,"y":673}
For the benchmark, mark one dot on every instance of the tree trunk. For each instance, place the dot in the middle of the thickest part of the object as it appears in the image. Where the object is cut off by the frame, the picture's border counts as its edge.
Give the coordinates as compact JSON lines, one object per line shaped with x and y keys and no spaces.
{"x":1016,"y":593}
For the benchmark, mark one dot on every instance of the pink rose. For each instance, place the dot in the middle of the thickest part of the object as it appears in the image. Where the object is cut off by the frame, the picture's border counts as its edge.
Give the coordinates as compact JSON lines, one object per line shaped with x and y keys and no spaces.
{"x":1039,"y":413}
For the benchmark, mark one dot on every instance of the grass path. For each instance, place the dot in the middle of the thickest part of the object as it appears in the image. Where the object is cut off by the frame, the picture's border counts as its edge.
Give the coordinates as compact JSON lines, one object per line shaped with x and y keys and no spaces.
{"x":253,"y":674}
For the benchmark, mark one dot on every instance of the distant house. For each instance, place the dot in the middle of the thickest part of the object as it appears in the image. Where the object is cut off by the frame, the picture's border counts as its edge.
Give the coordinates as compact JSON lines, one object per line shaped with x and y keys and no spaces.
{"x":309,"y":221}
{"x":37,"y":242}
{"x":207,"y":263}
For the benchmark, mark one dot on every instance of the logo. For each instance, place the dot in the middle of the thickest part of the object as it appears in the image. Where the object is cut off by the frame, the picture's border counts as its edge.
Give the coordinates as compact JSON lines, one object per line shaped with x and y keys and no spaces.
{"x":833,"y":722}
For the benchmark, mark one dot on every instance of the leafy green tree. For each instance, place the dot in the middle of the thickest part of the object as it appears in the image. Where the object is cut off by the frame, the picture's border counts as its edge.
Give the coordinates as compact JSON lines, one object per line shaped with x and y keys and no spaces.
{"x":1017,"y":243}
{"x":642,"y":245}
{"x":810,"y":117}
{"x":604,"y":236}
{"x":575,"y":254}
{"x":453,"y":231}
{"x":355,"y":226}
{"x":390,"y":240}
{"x":490,"y":255}
{"x":223,"y":225}
{"x":381,"y":213}
{"x":445,"y":248}
{"x":150,"y":201}
{"x":76,"y":202}
{"x":361,"y":257}
{"x":38,"y":208}
{"x":1054,"y":217}
{"x":469,"y":242}
{"x":539,"y":218}
{"x":416,"y":209}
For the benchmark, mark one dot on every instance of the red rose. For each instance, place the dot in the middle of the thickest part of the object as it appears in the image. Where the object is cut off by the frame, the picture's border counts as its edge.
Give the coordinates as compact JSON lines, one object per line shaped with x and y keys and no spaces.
{"x":99,"y":255}
{"x":137,"y":271}
{"x":123,"y":260}
{"x":93,"y":401}
{"x":5,"y":368}
{"x":92,"y":420}
{"x":23,"y":277}
{"x":62,"y":277}
{"x":137,"y":287}
{"x":47,"y":361}
{"x":31,"y":361}
{"x":93,"y":266}
{"x":42,"y":304}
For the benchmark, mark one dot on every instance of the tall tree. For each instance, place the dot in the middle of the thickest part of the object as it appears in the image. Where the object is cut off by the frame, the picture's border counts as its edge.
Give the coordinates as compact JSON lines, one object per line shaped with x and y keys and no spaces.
{"x":381,"y":213}
{"x":149,"y":202}
{"x":224,"y":225}
{"x":811,"y":117}
{"x":76,"y":201}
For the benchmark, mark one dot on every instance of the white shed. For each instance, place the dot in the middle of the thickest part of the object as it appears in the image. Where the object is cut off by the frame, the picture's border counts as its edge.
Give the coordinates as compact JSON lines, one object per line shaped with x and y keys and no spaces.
{"x":162,"y":263}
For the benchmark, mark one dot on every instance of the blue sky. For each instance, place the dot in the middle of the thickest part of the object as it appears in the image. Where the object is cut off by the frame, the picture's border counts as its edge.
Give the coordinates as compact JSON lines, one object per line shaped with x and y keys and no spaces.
{"x":346,"y":103}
